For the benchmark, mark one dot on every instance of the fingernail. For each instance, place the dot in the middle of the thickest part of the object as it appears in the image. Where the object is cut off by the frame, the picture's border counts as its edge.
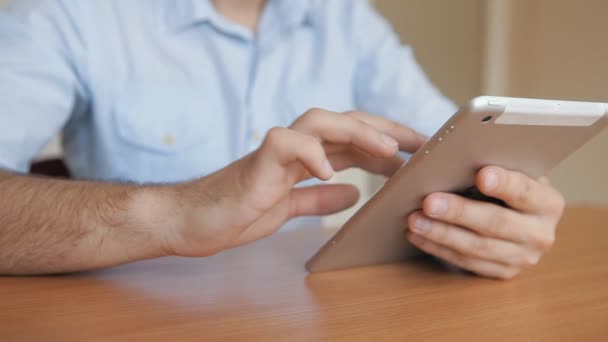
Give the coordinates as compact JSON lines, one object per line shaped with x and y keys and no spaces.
{"x":389,"y":141}
{"x":422,"y":225}
{"x":438,"y":207}
{"x":328,"y":169}
{"x":491,"y":180}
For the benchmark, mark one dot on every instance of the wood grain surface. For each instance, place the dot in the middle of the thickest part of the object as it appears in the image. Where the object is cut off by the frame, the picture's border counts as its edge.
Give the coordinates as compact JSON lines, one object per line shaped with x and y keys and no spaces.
{"x":262,"y":293}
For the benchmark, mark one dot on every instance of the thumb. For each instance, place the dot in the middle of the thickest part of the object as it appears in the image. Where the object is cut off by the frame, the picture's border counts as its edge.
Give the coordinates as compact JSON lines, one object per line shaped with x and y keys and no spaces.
{"x":322,"y":199}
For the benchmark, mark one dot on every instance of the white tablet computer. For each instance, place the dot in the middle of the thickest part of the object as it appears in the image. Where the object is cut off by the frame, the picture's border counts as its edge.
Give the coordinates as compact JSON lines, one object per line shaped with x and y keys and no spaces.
{"x":527,"y":135}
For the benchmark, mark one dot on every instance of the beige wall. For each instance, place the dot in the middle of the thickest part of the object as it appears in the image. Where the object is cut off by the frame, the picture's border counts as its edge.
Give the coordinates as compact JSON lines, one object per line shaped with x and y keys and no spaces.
{"x":560,"y":50}
{"x":557,"y":49}
{"x":447,"y":37}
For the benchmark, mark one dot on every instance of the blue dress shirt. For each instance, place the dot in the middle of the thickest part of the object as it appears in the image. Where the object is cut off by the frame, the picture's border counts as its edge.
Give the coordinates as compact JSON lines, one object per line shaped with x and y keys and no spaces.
{"x":169,"y":90}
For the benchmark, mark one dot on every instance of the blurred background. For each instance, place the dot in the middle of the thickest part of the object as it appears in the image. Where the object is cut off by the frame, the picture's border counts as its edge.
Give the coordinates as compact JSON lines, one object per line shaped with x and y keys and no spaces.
{"x":529,"y":48}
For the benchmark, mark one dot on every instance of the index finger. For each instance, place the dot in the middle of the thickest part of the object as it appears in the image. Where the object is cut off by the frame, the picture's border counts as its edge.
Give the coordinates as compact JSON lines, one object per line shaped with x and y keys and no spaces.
{"x":409,"y":140}
{"x":343,"y":129}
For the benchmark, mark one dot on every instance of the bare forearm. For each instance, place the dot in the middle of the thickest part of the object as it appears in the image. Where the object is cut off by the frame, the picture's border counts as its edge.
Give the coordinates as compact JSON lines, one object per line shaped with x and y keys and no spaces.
{"x":51,"y":226}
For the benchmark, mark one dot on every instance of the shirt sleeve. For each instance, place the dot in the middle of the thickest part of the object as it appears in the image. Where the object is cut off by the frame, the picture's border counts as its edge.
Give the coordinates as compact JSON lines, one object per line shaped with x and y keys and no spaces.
{"x":39,"y":82}
{"x":389,"y":81}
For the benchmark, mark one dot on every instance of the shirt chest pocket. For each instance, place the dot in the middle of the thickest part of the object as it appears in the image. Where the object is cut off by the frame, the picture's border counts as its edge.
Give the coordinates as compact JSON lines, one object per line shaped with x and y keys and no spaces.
{"x":168,"y":132}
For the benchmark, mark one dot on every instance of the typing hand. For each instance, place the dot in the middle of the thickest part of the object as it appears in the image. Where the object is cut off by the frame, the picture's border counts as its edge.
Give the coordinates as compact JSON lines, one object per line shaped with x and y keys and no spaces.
{"x":254,"y":196}
{"x":485,"y":238}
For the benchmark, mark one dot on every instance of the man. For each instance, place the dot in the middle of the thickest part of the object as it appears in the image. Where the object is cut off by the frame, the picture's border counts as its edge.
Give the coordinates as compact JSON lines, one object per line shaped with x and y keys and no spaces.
{"x":166,"y":92}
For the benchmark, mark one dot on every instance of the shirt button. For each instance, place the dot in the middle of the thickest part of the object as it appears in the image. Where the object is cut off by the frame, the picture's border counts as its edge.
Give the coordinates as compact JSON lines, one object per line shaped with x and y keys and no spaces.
{"x":256,"y":137}
{"x":169,"y":139}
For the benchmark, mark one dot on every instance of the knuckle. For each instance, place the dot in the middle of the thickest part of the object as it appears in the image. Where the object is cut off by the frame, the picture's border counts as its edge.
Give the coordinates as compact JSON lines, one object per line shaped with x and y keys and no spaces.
{"x":439,"y":233}
{"x":313,"y":114}
{"x":355,"y":114}
{"x":362,"y":126}
{"x":498,"y":222}
{"x":457,"y":209}
{"x":544,"y":242}
{"x":522,"y":197}
{"x":274,"y":135}
{"x":398,"y":127}
{"x":481,"y":246}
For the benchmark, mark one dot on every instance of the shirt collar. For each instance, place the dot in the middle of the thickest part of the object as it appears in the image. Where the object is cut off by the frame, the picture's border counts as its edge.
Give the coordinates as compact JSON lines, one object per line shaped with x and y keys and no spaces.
{"x":184,"y":13}
{"x":295,"y":13}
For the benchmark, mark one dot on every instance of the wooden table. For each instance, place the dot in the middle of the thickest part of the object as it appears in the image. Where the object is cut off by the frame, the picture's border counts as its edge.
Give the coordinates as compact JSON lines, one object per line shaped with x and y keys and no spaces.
{"x":262,"y":292}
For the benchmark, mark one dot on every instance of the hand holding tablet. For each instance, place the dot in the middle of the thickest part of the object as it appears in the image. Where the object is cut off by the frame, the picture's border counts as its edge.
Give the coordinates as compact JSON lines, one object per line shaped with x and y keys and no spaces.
{"x":508,"y":142}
